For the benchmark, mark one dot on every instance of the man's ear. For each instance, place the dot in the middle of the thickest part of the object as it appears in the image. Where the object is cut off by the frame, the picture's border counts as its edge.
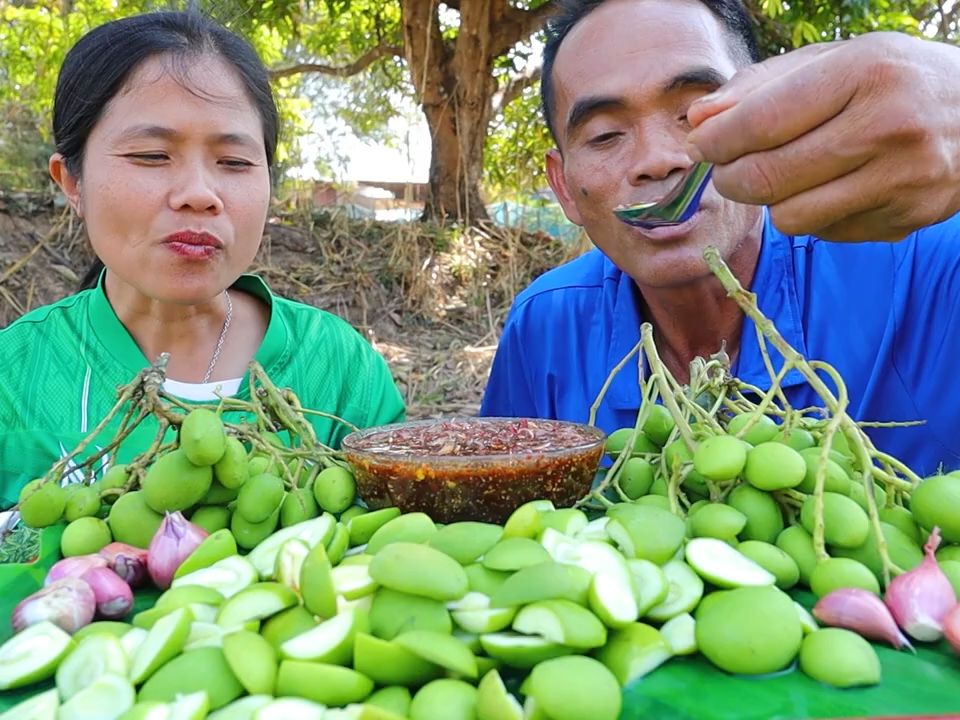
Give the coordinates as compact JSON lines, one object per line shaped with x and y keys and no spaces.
{"x":67,"y":181}
{"x":558,"y":184}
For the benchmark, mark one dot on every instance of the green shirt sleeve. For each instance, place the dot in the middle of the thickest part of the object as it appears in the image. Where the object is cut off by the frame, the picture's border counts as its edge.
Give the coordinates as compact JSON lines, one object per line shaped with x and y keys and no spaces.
{"x":332,"y":368}
{"x":64,"y":362}
{"x":369,"y":394}
{"x":385,"y":404}
{"x":9,"y":478}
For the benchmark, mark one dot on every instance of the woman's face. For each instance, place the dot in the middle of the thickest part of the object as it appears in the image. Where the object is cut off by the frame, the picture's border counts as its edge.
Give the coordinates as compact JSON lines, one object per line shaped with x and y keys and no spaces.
{"x":175,"y":187}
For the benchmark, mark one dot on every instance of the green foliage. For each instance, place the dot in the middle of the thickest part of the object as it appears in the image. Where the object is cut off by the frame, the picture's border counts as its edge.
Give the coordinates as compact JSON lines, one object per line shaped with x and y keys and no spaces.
{"x":513,"y":160}
{"x":788,"y":25}
{"x":34,"y":38}
{"x":334,"y":32}
{"x":35,"y":35}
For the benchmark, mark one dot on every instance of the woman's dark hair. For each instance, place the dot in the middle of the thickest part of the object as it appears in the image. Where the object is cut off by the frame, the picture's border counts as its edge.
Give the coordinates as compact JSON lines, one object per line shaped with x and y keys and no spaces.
{"x":732,"y":14}
{"x":96,"y":68}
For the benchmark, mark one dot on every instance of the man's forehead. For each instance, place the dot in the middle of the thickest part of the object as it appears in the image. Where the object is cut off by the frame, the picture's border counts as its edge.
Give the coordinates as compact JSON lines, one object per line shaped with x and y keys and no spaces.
{"x":651,"y":36}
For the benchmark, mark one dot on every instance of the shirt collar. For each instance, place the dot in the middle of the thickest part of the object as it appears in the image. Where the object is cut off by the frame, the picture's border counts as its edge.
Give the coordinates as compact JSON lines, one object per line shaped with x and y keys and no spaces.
{"x":624,"y":390}
{"x":774,"y":285}
{"x":114,"y":335}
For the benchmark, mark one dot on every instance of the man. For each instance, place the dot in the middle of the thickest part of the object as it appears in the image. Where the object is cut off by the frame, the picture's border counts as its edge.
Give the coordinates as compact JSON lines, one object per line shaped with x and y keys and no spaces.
{"x":808,"y":134}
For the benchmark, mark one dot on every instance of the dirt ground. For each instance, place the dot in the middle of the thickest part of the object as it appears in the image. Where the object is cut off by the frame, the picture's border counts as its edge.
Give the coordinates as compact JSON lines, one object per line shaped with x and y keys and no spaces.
{"x":431,"y":299}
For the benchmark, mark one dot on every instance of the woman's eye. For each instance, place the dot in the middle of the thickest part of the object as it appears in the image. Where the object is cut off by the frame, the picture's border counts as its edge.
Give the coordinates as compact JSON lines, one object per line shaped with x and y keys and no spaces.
{"x":148,"y":157}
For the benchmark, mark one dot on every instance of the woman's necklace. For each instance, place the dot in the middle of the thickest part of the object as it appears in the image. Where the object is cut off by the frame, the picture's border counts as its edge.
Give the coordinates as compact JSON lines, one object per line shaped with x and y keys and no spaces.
{"x":223,"y":334}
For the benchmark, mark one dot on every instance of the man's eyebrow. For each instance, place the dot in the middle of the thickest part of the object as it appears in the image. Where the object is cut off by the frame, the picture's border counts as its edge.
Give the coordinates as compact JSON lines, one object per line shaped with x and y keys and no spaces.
{"x":702,"y":76}
{"x":583,"y":109}
{"x":137,"y":132}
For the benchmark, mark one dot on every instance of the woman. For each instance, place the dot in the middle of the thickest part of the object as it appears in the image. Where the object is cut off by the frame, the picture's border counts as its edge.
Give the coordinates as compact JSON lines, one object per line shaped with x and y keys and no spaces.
{"x":165,"y":130}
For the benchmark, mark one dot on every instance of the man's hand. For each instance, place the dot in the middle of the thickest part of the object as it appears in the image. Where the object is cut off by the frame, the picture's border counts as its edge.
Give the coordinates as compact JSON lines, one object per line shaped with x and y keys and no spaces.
{"x":854,"y":140}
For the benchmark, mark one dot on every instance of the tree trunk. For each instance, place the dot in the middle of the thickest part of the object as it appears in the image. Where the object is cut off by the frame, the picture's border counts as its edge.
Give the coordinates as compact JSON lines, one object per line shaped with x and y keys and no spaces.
{"x":454,"y":83}
{"x":456,"y":163}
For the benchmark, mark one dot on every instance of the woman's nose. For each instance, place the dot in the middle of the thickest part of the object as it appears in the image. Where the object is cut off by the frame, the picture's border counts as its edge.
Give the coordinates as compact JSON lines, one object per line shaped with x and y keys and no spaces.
{"x":196,"y":189}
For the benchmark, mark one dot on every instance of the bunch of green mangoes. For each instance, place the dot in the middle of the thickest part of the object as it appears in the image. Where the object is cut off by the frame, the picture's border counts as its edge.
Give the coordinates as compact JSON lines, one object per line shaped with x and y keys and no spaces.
{"x":752,"y":464}
{"x":385,"y":615}
{"x":210,"y":476}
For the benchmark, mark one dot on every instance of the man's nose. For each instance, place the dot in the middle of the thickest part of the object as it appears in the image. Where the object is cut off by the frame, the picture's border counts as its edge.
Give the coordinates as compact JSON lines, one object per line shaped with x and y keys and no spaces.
{"x":657,"y":158}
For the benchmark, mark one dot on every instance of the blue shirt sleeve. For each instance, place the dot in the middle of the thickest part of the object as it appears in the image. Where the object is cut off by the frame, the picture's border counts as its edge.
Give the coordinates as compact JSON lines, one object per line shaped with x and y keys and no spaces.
{"x":508,"y":391}
{"x":927,"y":330}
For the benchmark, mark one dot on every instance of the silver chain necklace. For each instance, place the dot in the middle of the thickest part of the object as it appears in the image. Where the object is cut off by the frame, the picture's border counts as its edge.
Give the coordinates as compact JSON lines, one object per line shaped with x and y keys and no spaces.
{"x":223,"y":334}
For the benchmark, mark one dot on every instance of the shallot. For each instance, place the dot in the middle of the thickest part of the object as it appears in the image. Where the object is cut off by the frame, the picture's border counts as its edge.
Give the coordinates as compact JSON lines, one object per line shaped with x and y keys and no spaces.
{"x":951,"y":629}
{"x":173,"y":542}
{"x":113,"y":596}
{"x":921,"y":598}
{"x":861,"y":611}
{"x":73,"y":567}
{"x":127,"y":561}
{"x":68,"y":603}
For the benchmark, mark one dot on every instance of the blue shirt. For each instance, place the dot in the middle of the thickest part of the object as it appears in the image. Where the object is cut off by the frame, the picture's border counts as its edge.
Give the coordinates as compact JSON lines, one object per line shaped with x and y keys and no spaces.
{"x":885,"y":315}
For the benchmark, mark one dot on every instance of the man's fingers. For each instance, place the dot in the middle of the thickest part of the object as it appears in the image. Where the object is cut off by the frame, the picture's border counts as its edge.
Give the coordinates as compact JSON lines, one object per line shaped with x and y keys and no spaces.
{"x":773,"y":113}
{"x":831,"y":150}
{"x":769,"y":178}
{"x":749,"y":78}
{"x":832,"y":207}
{"x":912,"y":208}
{"x":872,"y":225}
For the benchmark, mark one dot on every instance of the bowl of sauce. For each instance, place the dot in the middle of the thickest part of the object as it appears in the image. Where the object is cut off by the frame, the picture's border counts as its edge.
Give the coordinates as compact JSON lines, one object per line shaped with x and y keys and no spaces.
{"x":473,"y":468}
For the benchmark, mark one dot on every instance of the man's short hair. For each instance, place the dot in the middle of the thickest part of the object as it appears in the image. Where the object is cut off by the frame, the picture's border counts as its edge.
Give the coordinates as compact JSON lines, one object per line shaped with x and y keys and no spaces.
{"x":732,"y":14}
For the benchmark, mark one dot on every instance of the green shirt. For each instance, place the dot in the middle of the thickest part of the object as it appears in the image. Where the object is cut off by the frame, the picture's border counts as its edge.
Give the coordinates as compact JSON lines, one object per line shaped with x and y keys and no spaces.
{"x":62,"y":365}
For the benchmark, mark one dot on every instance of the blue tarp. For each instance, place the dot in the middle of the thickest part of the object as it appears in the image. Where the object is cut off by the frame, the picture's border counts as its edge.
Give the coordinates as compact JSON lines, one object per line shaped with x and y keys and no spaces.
{"x":547,"y":218}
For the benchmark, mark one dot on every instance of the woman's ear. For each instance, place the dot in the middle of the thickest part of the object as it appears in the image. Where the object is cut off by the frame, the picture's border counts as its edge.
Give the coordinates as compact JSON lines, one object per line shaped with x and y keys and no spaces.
{"x":67,"y":181}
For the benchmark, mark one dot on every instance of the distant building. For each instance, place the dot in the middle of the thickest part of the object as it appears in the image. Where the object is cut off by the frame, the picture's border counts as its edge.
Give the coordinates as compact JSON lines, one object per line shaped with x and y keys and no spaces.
{"x":539,"y":211}
{"x":403,"y":199}
{"x":409,"y":192}
{"x":324,"y":194}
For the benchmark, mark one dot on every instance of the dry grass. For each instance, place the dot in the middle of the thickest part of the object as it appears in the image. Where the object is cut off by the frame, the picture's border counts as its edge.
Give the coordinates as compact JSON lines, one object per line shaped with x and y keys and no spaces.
{"x":432,"y":299}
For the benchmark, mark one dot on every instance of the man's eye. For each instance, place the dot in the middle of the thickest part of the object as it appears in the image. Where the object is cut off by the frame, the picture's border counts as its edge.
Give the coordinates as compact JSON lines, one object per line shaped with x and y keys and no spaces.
{"x":236,"y":163}
{"x":603,"y":138}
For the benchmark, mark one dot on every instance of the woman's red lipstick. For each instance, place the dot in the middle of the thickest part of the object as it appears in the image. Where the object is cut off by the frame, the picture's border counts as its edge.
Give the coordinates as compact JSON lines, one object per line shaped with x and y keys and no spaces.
{"x":193,"y":245}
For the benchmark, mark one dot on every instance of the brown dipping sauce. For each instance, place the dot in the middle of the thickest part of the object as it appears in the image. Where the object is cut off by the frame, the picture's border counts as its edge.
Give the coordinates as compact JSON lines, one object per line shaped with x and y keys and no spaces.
{"x":474,"y":468}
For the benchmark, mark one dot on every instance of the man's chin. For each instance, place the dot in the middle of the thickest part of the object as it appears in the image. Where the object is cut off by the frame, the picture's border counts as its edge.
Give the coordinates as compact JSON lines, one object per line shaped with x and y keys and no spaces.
{"x":665,"y":273}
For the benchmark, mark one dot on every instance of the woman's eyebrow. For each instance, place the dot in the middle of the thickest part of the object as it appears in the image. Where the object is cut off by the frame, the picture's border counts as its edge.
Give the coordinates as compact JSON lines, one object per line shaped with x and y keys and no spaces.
{"x":139,"y":132}
{"x":159,"y":132}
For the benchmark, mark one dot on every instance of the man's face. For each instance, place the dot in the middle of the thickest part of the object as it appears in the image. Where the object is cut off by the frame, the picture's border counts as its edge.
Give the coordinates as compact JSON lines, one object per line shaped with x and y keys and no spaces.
{"x":624,"y":78}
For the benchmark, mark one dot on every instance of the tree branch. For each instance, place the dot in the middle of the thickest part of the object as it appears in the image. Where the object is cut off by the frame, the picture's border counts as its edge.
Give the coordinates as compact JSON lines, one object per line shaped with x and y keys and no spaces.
{"x":517,"y":25}
{"x":427,"y":54}
{"x":512,"y":90}
{"x":357,"y":66}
